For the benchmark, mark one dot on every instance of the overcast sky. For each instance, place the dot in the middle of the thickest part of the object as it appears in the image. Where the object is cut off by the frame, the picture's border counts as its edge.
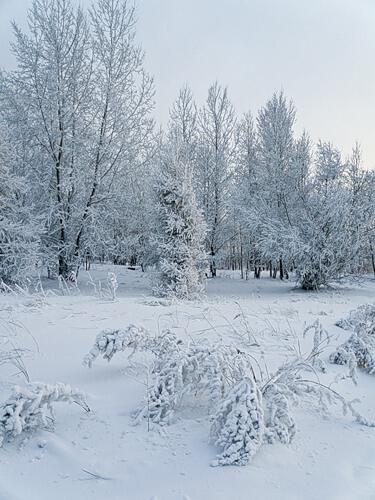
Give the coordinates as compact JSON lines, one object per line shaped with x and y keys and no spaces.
{"x":321,"y":52}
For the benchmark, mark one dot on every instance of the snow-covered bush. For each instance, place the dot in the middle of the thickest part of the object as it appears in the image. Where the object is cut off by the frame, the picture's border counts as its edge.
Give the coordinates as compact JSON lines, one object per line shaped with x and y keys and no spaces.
{"x":359,"y":349}
{"x":198,"y":369}
{"x":238,"y":425}
{"x":248,"y":408}
{"x":363,"y":317}
{"x":170,"y":382}
{"x":133,"y":337}
{"x":279,"y":422}
{"x":30,"y":408}
{"x":265,"y":409}
{"x":179,"y":368}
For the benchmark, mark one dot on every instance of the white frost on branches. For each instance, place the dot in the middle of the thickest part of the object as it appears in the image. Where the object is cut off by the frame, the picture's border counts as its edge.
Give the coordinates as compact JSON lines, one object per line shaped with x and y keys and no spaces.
{"x":30,"y":408}
{"x":280,"y":425}
{"x":248,"y":410}
{"x":133,"y":337}
{"x":363,"y":317}
{"x":359,"y":349}
{"x":181,"y":228}
{"x":196,"y":369}
{"x":238,"y":426}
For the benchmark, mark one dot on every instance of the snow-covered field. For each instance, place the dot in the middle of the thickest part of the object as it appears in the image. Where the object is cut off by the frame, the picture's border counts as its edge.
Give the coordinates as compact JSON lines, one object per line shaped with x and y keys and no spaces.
{"x":101,"y":455}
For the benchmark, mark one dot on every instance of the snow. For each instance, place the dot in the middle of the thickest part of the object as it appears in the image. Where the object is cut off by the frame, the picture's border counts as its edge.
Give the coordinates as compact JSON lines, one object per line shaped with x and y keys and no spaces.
{"x":101,"y":455}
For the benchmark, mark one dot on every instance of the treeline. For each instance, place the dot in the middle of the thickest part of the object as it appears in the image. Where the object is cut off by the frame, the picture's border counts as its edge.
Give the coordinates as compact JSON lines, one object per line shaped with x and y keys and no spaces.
{"x":87,"y":174}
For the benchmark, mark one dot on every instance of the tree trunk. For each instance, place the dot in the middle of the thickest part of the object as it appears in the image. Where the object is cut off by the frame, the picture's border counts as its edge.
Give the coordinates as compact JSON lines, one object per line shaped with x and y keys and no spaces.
{"x":241,"y":262}
{"x":213,"y":263}
{"x":87,"y":263}
{"x":247,"y":269}
{"x":63,"y":266}
{"x":281,"y":269}
{"x":372,"y":258}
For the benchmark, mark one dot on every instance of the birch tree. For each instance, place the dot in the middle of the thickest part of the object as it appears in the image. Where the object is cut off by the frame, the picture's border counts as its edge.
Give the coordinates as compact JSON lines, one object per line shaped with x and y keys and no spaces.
{"x":87,"y":100}
{"x":217,"y":125}
{"x":275,"y":124}
{"x":246,"y":193}
{"x":19,"y":230}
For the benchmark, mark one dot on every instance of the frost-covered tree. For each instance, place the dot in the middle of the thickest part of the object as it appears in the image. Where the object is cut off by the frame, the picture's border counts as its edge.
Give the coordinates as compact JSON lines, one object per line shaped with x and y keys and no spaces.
{"x":245,"y":194}
{"x":369,"y":216}
{"x":300,"y":170}
{"x":271,"y":173}
{"x":80,"y":100}
{"x":19,"y":230}
{"x":183,"y":121}
{"x":275,"y":124}
{"x":217,"y":127}
{"x":84,"y":155}
{"x":121,"y":232}
{"x":362,"y":209}
{"x":326,"y":250}
{"x":293,"y":213}
{"x":181,"y":228}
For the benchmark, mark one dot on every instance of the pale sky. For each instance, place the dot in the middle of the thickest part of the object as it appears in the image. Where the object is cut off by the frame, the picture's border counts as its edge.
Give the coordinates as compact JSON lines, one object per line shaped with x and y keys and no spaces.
{"x":321,"y":52}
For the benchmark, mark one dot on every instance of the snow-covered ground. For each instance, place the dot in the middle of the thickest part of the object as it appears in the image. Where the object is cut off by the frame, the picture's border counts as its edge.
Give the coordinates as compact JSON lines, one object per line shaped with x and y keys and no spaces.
{"x":101,"y":455}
